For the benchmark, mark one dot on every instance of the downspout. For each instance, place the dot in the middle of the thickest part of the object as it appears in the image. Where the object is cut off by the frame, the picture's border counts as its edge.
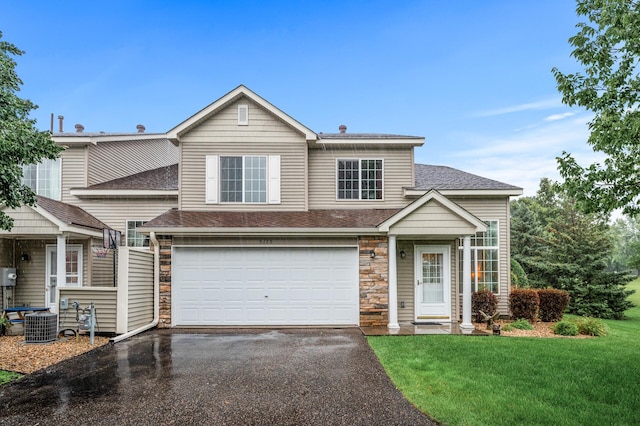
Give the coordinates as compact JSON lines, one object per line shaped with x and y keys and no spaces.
{"x":156,"y":293}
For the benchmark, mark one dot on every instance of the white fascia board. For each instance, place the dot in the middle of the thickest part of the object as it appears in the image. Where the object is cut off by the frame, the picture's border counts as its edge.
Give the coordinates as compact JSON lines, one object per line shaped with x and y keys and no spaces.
{"x":417,"y":193}
{"x":132,"y":137}
{"x":123,"y":193}
{"x":175,"y":133}
{"x":73,"y":140}
{"x":262,"y":231}
{"x":370,"y":142}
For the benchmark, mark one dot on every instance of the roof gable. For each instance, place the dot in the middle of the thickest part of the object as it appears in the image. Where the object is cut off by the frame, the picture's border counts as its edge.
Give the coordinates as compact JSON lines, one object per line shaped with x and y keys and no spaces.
{"x":431,"y":205}
{"x":235,"y":94}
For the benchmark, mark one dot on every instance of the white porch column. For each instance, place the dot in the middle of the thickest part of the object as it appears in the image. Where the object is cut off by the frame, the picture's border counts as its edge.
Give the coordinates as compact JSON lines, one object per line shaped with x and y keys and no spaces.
{"x":466,"y":285}
{"x":61,"y":270}
{"x":393,"y":284}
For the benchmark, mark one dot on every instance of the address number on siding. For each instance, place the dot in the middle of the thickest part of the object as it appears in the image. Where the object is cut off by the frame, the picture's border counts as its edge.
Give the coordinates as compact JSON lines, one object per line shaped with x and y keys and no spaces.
{"x":266,"y":241}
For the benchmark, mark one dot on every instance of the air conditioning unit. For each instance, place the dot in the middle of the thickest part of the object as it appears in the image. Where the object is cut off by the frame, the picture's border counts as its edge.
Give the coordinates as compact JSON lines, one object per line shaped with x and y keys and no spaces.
{"x":40,"y":327}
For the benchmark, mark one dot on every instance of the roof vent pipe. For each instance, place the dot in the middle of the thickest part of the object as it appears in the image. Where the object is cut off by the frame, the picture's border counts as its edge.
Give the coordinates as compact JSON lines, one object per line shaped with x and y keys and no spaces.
{"x":79,"y":128}
{"x":343,"y":128}
{"x":61,"y":120}
{"x":140,"y":128}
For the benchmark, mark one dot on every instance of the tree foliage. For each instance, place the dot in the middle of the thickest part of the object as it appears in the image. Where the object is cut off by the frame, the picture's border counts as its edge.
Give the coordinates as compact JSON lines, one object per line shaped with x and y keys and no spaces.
{"x":560,"y":246}
{"x":626,"y":253}
{"x":20,"y":142}
{"x":608,"y":48}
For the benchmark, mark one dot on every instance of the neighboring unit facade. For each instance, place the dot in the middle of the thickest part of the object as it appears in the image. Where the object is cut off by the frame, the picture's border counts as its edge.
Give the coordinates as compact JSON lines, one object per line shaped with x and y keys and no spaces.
{"x":256,"y":220}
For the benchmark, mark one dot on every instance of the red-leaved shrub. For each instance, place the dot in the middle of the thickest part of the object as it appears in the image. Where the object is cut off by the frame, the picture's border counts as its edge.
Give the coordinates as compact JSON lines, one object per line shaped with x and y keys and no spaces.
{"x":553,"y":302}
{"x":524,"y":304}
{"x":484,"y":301}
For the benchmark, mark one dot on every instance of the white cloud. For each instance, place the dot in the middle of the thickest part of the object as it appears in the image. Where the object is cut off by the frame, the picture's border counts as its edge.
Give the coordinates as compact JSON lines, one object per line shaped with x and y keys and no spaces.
{"x":556,"y":117}
{"x":523,"y":157}
{"x":540,"y":105}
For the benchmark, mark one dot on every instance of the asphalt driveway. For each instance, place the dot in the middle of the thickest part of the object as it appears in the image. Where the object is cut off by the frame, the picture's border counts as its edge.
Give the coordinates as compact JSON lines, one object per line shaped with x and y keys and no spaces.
{"x":259,"y":377}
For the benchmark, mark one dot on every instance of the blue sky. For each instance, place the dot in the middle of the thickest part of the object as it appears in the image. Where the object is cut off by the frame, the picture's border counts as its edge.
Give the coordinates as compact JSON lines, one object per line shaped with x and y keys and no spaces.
{"x":472,"y":77}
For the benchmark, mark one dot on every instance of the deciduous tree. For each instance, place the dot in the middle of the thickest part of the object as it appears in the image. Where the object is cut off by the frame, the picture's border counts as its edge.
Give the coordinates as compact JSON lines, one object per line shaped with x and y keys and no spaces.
{"x":20,"y":142}
{"x":607,"y":46}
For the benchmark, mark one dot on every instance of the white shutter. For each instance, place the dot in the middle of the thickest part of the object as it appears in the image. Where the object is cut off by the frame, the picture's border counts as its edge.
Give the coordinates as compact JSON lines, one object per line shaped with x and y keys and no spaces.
{"x":274,"y":179}
{"x":211,"y":191}
{"x":243,"y":115}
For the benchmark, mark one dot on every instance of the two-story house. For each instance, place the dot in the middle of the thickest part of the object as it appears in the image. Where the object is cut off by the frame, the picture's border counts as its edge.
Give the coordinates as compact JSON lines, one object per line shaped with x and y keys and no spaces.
{"x":256,"y":220}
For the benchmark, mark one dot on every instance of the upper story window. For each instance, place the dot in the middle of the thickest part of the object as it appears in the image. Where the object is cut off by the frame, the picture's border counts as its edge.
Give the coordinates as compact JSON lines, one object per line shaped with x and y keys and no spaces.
{"x":359,"y":179}
{"x":484,"y":259}
{"x":135,"y":238}
{"x":243,"y":115}
{"x":243,"y":179}
{"x":45,"y":178}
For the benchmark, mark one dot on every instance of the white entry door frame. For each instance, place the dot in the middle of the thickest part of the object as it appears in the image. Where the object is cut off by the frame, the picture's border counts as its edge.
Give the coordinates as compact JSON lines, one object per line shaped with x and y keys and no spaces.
{"x":433,"y":283}
{"x":73,"y":275}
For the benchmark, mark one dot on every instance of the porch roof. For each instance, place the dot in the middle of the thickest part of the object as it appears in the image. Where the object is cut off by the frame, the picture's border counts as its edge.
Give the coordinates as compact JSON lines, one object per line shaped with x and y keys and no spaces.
{"x":51,"y":217}
{"x":318,"y":221}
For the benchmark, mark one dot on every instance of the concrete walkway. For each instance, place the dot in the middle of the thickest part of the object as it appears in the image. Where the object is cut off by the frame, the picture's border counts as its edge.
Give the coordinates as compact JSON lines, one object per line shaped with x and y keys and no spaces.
{"x":259,"y":377}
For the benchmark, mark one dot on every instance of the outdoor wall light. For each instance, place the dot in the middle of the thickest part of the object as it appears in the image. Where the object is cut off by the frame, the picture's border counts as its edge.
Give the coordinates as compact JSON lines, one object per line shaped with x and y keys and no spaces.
{"x":403,"y":254}
{"x":25,"y":257}
{"x":372,"y":254}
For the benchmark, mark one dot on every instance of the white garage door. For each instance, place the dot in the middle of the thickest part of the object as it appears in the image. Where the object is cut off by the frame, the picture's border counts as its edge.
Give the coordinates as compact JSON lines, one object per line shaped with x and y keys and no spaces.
{"x":265,"y":286}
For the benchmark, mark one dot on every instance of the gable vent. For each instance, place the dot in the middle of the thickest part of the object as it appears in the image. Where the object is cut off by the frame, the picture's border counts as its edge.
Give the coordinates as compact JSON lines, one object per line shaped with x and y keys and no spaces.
{"x":243,"y":115}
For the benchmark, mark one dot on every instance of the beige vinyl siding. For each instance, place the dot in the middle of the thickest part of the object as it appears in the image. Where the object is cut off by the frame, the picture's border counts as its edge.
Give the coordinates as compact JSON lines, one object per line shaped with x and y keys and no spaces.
{"x":264,"y":135}
{"x":74,"y":171}
{"x":494,"y":209}
{"x":140,"y":286}
{"x":432,"y":219}
{"x":397,"y":171}
{"x":27,"y":222}
{"x":30,"y":285}
{"x":104,"y":299}
{"x":112,"y":160}
{"x":406,"y":278}
{"x":115,"y":212}
{"x":101,"y":268}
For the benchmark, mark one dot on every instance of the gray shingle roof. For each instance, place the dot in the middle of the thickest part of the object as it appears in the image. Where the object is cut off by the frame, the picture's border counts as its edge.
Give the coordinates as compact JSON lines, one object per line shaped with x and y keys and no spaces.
{"x":448,"y":178}
{"x":69,"y":214}
{"x":162,"y":178}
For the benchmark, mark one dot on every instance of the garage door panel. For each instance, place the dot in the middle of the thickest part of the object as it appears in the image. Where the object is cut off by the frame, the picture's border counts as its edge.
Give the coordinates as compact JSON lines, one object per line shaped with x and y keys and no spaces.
{"x":227,"y":286}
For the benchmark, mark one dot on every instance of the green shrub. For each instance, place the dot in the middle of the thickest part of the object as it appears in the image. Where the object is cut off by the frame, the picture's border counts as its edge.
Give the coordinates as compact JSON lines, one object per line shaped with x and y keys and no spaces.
{"x":591,"y":326}
{"x":507,"y":327}
{"x":518,"y":275}
{"x":566,"y":328}
{"x":523,"y":303}
{"x":522,"y":324}
{"x":484,"y":301}
{"x":553,"y":302}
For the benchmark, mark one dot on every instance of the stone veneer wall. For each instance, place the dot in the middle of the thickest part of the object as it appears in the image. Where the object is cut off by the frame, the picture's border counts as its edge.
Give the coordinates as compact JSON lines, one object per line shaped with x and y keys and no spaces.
{"x":374,"y":282}
{"x":165,"y":281}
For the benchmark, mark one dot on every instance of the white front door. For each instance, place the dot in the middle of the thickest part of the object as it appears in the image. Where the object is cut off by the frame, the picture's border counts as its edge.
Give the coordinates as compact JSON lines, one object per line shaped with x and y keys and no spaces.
{"x":433,"y":283}
{"x":73,"y":261}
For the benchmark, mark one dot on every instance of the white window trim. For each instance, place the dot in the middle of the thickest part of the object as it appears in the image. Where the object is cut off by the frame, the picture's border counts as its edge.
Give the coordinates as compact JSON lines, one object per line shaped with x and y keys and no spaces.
{"x":273,"y":180}
{"x":77,"y":247}
{"x":474,"y":255}
{"x":243,"y":115}
{"x":126,"y":227}
{"x":360,"y":160}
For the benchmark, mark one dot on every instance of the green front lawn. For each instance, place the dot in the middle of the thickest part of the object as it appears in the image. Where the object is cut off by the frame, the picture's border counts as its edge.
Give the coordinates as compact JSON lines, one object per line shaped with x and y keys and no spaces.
{"x":467,"y":380}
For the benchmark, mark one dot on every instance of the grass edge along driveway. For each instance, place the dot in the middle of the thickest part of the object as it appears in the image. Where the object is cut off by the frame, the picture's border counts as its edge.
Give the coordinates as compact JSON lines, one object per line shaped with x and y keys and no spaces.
{"x":466,"y":380}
